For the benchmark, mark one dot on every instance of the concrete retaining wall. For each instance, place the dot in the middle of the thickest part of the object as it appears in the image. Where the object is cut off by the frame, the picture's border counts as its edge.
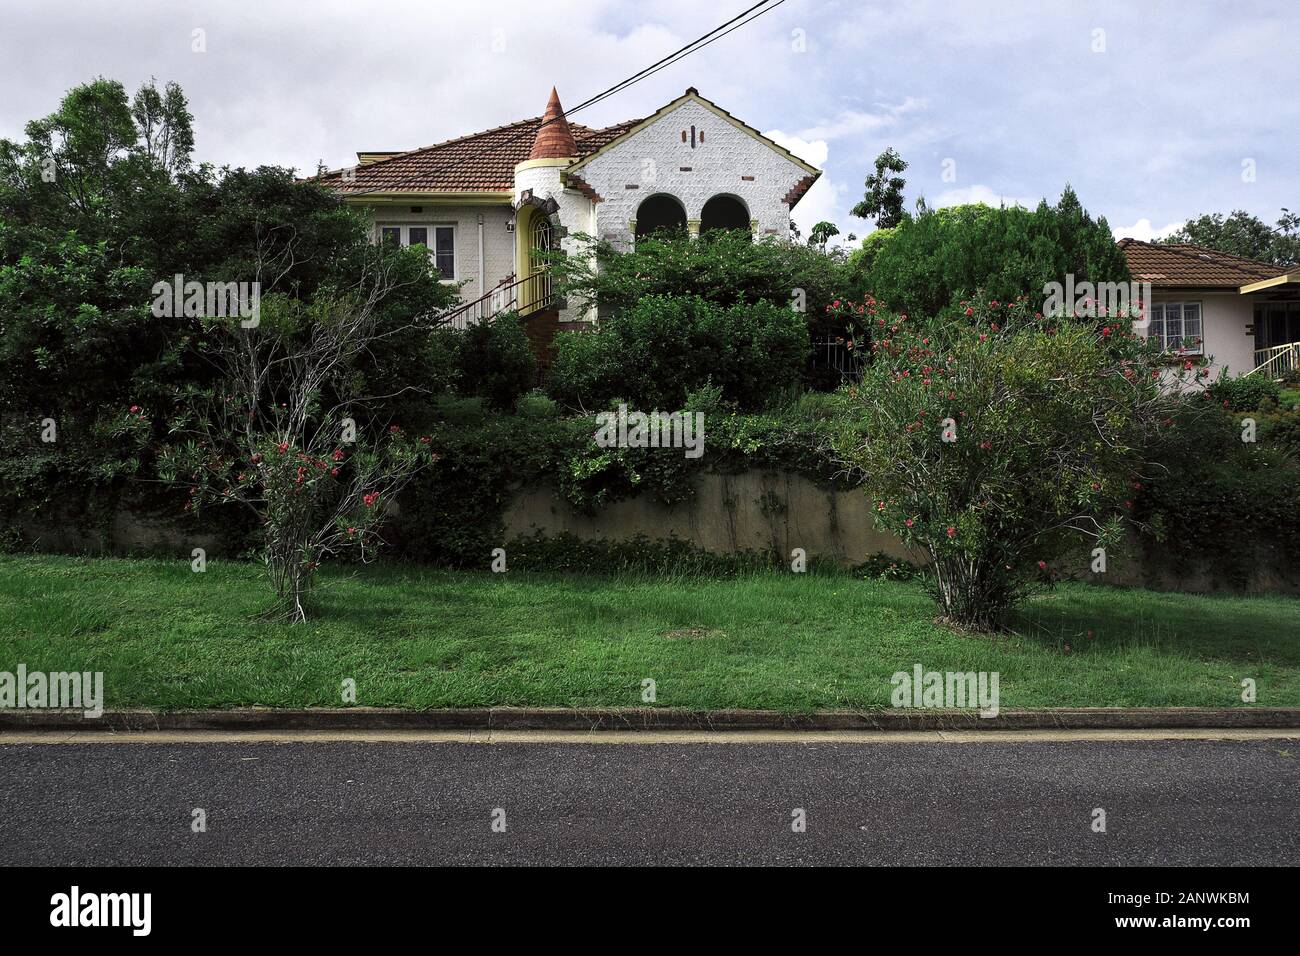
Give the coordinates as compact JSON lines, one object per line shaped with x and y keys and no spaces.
{"x":751,"y":511}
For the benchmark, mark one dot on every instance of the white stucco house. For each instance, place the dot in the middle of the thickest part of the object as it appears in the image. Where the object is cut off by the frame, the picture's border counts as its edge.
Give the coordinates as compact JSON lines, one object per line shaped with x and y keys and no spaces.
{"x":483,"y":204}
{"x":1243,"y":315}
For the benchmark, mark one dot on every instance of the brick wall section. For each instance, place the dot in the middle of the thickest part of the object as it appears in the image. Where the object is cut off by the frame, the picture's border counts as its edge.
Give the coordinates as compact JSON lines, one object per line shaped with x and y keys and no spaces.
{"x":541,"y":329}
{"x":726,"y":162}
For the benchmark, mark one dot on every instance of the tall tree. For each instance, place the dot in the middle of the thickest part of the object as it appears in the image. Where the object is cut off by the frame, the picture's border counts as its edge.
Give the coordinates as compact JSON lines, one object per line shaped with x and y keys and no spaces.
{"x":883,"y":199}
{"x":165,"y":126}
{"x":1242,"y":234}
{"x":822,"y":233}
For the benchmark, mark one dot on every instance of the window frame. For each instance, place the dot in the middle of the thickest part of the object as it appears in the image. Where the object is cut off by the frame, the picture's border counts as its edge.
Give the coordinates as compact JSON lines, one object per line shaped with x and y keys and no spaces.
{"x":1198,"y":345}
{"x":404,"y":240}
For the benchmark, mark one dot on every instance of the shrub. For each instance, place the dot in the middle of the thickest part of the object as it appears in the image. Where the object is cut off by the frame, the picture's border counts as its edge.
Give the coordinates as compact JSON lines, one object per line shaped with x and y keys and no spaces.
{"x":661,"y":349}
{"x":726,"y":266}
{"x":1280,"y":428}
{"x":995,"y":445}
{"x":930,"y":262}
{"x":1212,"y":499}
{"x":496,"y":361}
{"x":1244,"y":393}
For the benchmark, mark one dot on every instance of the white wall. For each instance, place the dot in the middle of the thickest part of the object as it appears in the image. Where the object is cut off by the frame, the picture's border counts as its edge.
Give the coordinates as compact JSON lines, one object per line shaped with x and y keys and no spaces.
{"x":575,"y":215}
{"x":1227,"y":319}
{"x":652,"y":161}
{"x":498,"y":244}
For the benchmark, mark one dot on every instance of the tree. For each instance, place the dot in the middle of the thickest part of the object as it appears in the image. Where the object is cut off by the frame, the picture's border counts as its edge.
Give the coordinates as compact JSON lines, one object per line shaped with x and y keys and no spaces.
{"x":288,"y":432}
{"x":883,"y":199}
{"x":931,"y":262}
{"x":821,"y":234}
{"x":1242,"y":234}
{"x":99,"y":204}
{"x":999,"y":447}
{"x":726,"y":266}
{"x":165,"y":126}
{"x":656,"y":353}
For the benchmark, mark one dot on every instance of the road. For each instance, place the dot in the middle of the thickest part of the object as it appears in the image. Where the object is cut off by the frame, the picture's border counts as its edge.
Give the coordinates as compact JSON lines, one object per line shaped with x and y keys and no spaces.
{"x":1183,"y":802}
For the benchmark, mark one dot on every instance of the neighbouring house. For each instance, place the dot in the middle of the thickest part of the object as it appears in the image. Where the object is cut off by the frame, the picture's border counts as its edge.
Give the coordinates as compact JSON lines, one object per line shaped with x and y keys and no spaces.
{"x":485,"y":204}
{"x":1243,"y":314}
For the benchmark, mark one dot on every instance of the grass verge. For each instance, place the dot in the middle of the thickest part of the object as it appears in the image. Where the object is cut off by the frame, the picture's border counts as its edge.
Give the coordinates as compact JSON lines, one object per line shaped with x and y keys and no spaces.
{"x":168,"y":638}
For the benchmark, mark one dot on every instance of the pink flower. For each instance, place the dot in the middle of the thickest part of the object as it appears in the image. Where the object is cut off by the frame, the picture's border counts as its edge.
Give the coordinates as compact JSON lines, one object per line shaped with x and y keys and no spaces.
{"x":1042,"y":565}
{"x":952,"y":532}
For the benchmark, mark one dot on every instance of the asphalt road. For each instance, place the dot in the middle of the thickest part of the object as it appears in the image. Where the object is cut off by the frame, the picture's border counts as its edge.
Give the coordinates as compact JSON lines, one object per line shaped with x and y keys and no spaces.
{"x":1191,"y":802}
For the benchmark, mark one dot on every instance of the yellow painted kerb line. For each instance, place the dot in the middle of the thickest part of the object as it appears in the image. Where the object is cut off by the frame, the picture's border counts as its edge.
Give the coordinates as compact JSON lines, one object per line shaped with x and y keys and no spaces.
{"x":865,"y":737}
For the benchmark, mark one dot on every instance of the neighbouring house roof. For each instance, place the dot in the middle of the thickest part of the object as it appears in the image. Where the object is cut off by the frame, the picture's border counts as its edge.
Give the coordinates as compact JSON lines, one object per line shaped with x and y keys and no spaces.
{"x":1185,"y":265}
{"x":481,"y":162}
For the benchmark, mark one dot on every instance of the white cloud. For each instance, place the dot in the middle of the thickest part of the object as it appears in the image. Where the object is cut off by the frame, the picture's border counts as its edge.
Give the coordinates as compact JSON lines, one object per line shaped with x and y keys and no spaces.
{"x":979,"y":194}
{"x":1143,"y":231}
{"x":854,"y":122}
{"x":821,"y":202}
{"x":810,"y":151}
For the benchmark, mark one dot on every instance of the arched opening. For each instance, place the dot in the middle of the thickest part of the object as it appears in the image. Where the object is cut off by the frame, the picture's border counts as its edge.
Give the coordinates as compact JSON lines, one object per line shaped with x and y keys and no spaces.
{"x":535,"y":237}
{"x":660,"y":211}
{"x":724,"y":212}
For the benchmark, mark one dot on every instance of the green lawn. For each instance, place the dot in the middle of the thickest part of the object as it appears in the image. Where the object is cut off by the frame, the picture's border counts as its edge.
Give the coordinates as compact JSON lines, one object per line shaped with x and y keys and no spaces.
{"x":166,"y":637}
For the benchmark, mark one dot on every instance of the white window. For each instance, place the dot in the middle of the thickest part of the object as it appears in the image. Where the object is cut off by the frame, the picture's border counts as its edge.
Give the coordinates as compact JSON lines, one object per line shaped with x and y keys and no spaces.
{"x":439,"y":240}
{"x":1177,"y":326}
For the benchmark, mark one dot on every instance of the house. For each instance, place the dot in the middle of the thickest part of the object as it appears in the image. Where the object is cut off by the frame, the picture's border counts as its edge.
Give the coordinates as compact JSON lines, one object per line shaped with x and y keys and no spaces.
{"x":486,"y":204}
{"x":1243,"y":314}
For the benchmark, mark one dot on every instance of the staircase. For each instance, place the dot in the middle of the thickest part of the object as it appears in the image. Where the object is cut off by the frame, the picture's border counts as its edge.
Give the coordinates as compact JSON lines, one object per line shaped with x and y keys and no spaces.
{"x":536,"y":304}
{"x":1277,"y":361}
{"x":525,"y":296}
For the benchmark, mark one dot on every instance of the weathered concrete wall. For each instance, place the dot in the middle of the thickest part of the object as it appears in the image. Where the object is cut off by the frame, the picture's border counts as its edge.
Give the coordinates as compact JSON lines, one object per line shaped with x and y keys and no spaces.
{"x":764,"y":511}
{"x":753,"y":511}
{"x":128,"y":533}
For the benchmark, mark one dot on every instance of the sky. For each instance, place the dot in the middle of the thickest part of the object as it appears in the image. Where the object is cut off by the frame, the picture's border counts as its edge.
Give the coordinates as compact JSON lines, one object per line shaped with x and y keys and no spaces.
{"x":1153,"y":110}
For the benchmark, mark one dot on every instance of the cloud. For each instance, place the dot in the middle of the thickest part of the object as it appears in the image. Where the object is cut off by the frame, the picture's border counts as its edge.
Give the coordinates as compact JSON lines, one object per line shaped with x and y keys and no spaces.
{"x":822,"y":201}
{"x":1143,"y":231}
{"x":810,"y":151}
{"x":978,"y":194}
{"x":855,"y":122}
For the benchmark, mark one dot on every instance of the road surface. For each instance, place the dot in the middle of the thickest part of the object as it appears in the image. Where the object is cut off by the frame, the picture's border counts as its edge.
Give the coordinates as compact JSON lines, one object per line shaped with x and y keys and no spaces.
{"x":1182,"y":802}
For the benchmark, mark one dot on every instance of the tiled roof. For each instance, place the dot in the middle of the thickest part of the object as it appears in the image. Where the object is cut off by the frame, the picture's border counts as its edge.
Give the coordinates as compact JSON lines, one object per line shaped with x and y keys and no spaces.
{"x":480,"y":162}
{"x":554,"y":140}
{"x":1185,"y":264}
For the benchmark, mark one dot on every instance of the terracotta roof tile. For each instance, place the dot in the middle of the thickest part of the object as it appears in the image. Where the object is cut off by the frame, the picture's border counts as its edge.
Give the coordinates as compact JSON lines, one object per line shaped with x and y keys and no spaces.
{"x":480,"y":162}
{"x":1184,"y":264}
{"x":554,"y":140}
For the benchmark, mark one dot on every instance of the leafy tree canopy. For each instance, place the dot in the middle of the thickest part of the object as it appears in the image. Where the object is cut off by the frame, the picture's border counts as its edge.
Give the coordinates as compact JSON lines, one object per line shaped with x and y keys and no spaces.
{"x":1245,"y":235}
{"x":929,"y":263}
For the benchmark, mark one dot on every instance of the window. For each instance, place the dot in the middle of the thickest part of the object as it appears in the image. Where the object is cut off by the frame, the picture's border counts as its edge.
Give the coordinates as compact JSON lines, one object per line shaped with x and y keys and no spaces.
{"x":1177,"y":325}
{"x":442,"y":250}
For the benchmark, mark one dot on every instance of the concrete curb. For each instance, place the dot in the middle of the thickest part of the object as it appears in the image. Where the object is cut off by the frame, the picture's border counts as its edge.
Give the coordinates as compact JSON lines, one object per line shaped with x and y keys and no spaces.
{"x":650,"y":719}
